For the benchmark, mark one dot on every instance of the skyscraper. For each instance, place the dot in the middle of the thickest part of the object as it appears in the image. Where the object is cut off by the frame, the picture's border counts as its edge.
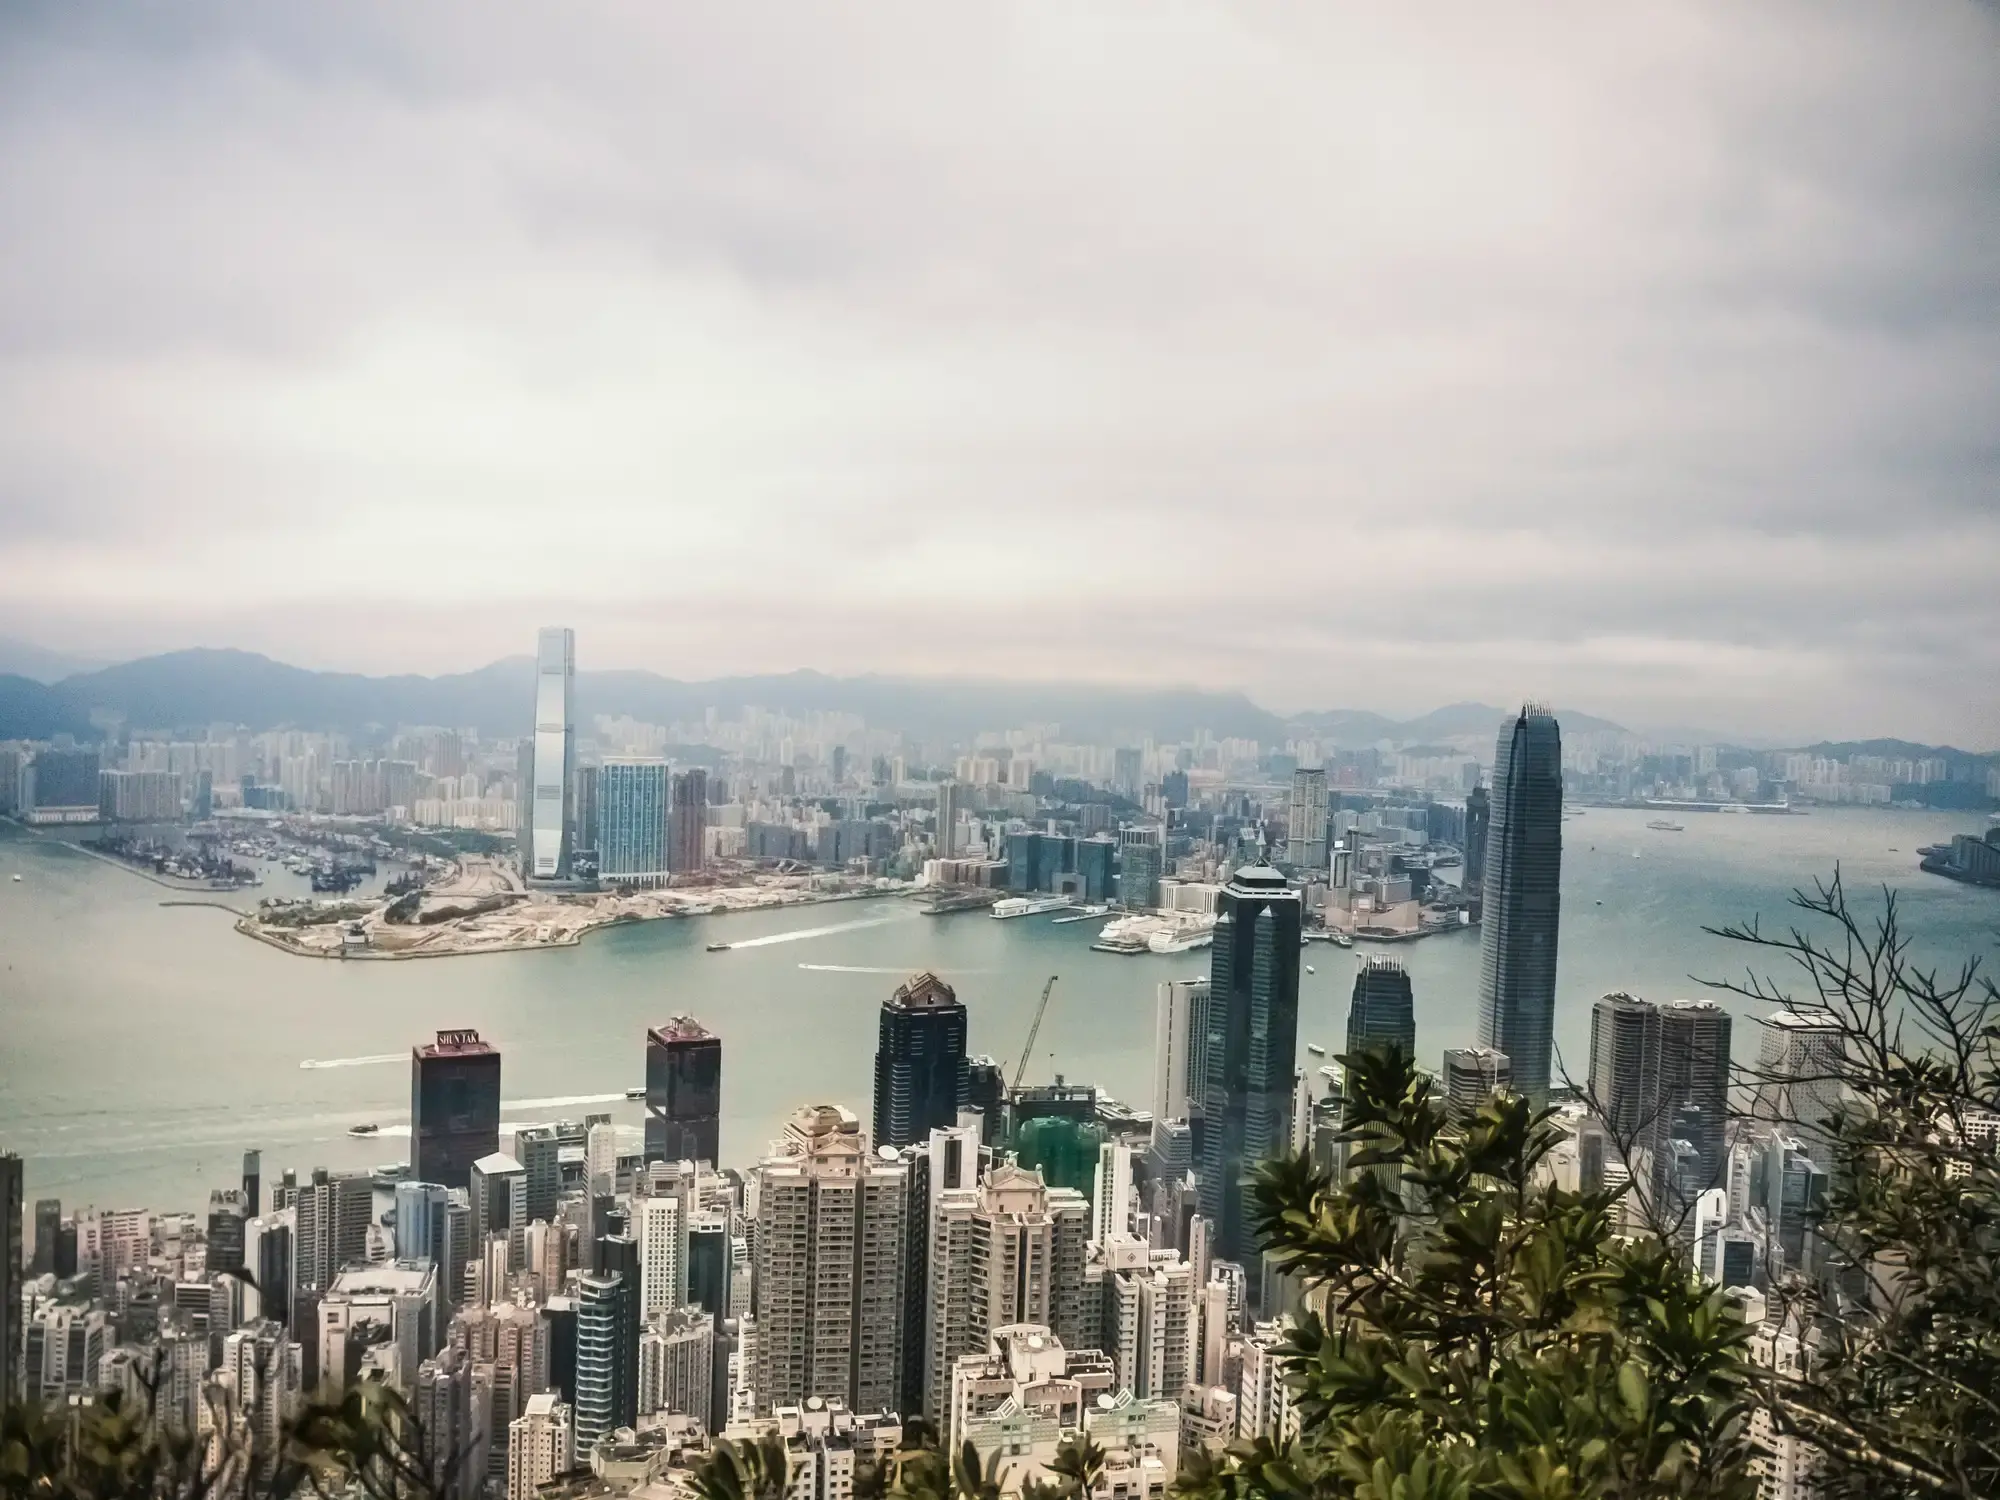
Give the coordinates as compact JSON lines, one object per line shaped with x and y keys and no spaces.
{"x":454,"y":1107}
{"x":1523,"y":899}
{"x":1478,"y":819}
{"x":1305,"y":823}
{"x":586,"y":806}
{"x":829,"y":1266}
{"x":1180,"y":1039}
{"x":13,"y":1199}
{"x":1005,"y":1251}
{"x":331,"y":1230}
{"x":947,"y":818}
{"x":1800,"y":1061}
{"x":599,"y":1371}
{"x":688,"y":853}
{"x":1111,"y":1194}
{"x":921,"y":1079}
{"x":683,"y":1092}
{"x":548,"y":812}
{"x":1470,"y":1074}
{"x":421,"y":1230}
{"x":1381,"y":1013}
{"x":538,"y":1150}
{"x":227,"y":1214}
{"x":1253,"y":1019}
{"x":661,"y":1229}
{"x":48,"y":1234}
{"x":1625,"y":1071}
{"x":253,"y":1183}
{"x":1139,"y":867}
{"x":1694,"y":1082}
{"x":499,"y":1192}
{"x":632,"y":821}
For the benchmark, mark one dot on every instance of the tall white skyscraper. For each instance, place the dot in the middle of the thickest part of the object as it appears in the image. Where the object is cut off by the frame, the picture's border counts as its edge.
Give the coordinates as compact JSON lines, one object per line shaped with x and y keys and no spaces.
{"x":600,"y":1158}
{"x":661,"y":1230}
{"x":1305,"y":823}
{"x":1006,"y":1252}
{"x":1180,"y":1043}
{"x":549,"y":817}
{"x":1149,"y":1327}
{"x":1111,"y":1206}
{"x":830,"y":1265}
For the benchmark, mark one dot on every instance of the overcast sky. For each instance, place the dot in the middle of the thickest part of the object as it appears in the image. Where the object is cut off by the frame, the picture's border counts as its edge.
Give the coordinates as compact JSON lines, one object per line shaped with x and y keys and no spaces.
{"x":1643,"y":358}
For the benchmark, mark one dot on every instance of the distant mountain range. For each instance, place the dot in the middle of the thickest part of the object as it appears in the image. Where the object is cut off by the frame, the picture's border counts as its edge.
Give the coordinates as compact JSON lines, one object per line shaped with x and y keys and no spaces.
{"x":189,"y":690}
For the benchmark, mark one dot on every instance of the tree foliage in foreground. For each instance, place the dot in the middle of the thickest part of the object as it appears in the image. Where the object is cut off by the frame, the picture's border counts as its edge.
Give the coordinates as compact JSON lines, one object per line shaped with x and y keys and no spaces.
{"x":1484,"y":1335}
{"x":1901,"y":1392}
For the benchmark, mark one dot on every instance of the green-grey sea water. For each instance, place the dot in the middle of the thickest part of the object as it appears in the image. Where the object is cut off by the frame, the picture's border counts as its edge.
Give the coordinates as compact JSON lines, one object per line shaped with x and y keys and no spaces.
{"x":143,"y":1048}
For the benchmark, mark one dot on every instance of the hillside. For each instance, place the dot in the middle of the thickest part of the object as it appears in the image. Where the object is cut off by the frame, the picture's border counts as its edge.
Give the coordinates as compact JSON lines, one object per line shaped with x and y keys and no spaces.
{"x":186,"y":691}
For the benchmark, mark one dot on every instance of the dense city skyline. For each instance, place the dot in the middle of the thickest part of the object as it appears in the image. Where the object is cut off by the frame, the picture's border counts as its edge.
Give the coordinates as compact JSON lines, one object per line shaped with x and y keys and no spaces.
{"x":1646,"y":353}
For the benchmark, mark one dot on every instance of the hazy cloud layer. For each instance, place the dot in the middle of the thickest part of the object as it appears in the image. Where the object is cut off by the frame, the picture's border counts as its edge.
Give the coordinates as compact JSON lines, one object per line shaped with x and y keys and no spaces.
{"x":1641,"y":357}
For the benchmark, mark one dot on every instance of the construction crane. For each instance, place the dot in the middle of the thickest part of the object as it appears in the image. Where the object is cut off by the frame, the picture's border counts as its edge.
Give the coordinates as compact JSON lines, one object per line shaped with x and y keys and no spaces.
{"x":1027,"y":1051}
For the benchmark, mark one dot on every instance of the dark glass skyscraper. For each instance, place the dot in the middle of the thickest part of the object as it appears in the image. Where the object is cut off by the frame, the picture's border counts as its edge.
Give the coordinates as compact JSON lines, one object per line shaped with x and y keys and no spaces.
{"x":1253,"y":1024}
{"x":1382,"y":1012}
{"x":1694,"y":1081}
{"x":1523,"y":899}
{"x":13,"y":1189}
{"x":1478,"y":819}
{"x":921,"y":1076}
{"x":454,"y":1107}
{"x":683,"y":1091}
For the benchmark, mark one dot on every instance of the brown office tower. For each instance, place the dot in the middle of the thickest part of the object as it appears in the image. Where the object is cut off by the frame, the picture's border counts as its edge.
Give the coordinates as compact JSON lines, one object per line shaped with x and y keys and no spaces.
{"x":683,"y":1091}
{"x":454,"y":1107}
{"x":687,"y":830}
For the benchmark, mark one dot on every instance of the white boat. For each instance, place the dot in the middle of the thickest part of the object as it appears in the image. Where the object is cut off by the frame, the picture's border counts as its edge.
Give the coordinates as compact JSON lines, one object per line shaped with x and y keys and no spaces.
{"x":1311,"y":970}
{"x":17,"y":875}
{"x":1179,"y":942}
{"x":1666,"y":825}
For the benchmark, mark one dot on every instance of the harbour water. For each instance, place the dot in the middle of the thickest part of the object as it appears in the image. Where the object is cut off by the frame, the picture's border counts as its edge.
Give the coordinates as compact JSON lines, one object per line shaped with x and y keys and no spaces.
{"x":144,"y":1047}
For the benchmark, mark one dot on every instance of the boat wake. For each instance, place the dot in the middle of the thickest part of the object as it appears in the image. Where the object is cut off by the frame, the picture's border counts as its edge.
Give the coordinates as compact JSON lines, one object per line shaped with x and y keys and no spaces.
{"x":811,"y":932}
{"x":354,"y":1062}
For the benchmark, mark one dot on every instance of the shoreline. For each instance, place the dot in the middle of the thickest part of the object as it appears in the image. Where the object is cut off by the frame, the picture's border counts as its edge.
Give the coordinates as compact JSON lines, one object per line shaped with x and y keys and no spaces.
{"x":247,"y":924}
{"x":184,"y":887}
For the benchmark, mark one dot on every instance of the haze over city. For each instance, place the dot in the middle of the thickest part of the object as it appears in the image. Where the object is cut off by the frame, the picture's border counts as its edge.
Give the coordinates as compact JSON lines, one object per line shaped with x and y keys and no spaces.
{"x":1641,"y":359}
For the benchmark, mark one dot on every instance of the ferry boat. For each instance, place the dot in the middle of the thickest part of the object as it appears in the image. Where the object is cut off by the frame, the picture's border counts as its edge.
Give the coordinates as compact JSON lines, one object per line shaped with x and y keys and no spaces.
{"x":717,"y":948}
{"x":1667,"y":825}
{"x":1315,"y":1049}
{"x":368,"y":1128}
{"x":637,"y":1093}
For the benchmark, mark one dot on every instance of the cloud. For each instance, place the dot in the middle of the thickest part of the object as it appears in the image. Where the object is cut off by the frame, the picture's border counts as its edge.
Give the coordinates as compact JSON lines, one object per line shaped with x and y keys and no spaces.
{"x":1638,"y":357}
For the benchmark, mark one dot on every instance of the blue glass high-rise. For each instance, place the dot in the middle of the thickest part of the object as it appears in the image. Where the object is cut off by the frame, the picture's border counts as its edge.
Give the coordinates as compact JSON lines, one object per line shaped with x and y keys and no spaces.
{"x":1522,"y":899}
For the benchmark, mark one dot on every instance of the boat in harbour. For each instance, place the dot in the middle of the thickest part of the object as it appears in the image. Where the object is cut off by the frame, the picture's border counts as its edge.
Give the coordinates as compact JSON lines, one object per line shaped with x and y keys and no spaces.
{"x":1666,"y":825}
{"x":368,"y":1127}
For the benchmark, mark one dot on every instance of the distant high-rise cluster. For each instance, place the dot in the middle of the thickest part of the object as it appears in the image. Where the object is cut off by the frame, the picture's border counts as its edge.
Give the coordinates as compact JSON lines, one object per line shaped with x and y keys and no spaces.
{"x":969,"y":1234}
